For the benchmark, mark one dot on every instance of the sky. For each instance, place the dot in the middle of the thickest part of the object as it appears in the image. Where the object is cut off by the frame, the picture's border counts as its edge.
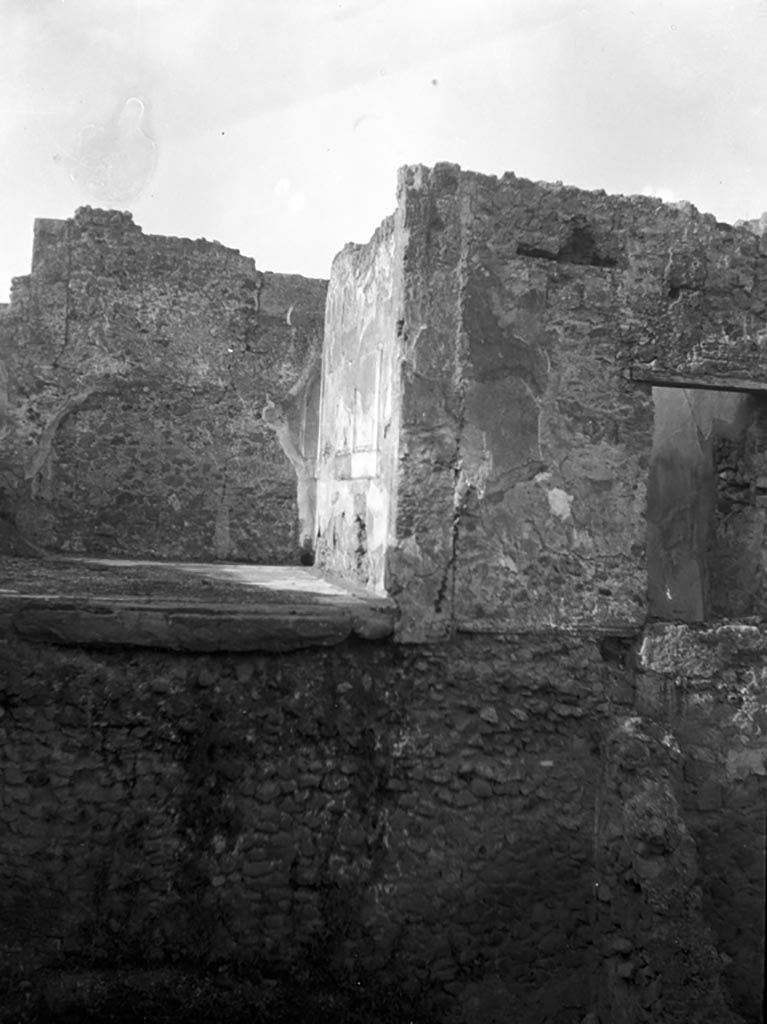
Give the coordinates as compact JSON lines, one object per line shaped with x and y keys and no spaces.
{"x":277,"y":126}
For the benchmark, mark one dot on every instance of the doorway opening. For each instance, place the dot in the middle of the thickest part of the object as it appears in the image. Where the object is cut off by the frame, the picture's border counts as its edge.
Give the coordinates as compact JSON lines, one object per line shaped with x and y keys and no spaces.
{"x":707,"y":505}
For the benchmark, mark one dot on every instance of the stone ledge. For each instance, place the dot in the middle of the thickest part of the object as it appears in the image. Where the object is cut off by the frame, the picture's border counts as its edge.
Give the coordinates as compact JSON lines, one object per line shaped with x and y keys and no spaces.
{"x":183,"y":606}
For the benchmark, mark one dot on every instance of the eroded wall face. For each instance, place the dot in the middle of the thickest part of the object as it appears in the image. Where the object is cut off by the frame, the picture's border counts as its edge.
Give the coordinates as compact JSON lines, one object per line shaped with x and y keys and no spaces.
{"x":531,"y":320}
{"x":532,"y":444}
{"x":707,"y":686}
{"x":518,"y":827}
{"x":555,"y":442}
{"x":141,"y":374}
{"x":359,"y":419}
{"x":432,"y":380}
{"x":422,"y":816}
{"x":703,"y":299}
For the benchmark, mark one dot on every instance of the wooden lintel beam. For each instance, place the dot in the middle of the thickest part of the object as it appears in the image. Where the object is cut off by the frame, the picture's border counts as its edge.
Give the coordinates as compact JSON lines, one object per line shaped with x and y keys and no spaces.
{"x":705,"y":381}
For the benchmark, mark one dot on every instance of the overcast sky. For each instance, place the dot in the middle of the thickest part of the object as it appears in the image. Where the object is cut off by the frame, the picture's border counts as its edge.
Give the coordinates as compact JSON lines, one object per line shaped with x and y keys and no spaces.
{"x":277,"y":126}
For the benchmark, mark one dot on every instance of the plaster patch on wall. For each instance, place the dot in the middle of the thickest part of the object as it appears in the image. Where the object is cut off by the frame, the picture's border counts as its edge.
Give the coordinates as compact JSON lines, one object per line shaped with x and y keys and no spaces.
{"x":409,"y":546}
{"x":741,"y":763}
{"x":377,"y":515}
{"x":477,"y":460}
{"x":560,"y":502}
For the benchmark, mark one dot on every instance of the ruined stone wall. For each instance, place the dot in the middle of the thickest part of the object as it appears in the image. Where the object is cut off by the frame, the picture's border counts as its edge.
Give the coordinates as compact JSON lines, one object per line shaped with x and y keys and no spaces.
{"x":522,"y":827}
{"x":662,"y":960}
{"x":553,"y":441}
{"x":528,"y":320}
{"x":403,"y":292}
{"x":423,"y":815}
{"x":558,"y":822}
{"x":522,"y":451}
{"x":139,"y":377}
{"x":706,"y":686}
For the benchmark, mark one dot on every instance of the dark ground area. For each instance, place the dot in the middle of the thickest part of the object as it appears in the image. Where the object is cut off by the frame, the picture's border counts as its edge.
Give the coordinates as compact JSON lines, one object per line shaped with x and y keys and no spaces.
{"x":177,"y":997}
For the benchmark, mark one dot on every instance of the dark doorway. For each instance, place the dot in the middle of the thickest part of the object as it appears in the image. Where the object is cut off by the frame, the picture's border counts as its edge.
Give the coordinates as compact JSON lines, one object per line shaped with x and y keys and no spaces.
{"x":707,"y":505}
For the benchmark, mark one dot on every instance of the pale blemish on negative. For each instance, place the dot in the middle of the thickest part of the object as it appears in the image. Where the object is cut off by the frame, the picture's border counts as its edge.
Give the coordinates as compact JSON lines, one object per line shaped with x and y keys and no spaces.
{"x":114,"y":161}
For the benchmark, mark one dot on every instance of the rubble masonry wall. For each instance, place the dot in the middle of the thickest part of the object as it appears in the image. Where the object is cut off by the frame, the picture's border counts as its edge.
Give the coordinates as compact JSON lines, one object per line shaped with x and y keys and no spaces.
{"x":529,"y":320}
{"x":444,"y":817}
{"x":143,"y":382}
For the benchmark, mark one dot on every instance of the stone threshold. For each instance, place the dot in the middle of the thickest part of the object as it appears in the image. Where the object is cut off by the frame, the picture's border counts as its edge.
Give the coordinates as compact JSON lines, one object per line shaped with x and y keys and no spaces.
{"x":180,"y":606}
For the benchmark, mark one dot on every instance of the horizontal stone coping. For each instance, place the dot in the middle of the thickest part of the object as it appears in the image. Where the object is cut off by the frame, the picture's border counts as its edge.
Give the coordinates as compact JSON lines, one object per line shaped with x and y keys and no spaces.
{"x":702,"y":380}
{"x":184,"y":606}
{"x":628,"y":629}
